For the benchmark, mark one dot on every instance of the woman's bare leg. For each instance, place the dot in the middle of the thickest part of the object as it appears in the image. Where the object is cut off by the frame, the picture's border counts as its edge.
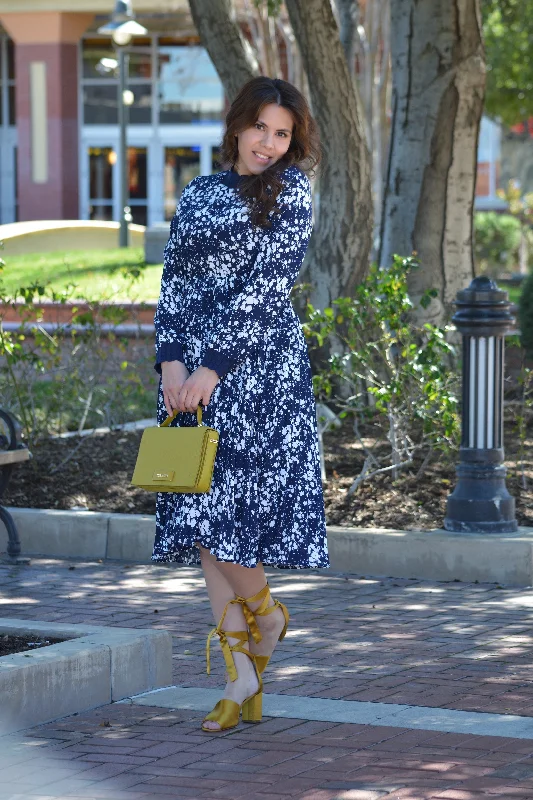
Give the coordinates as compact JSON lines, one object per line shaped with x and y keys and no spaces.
{"x":235,"y":579}
{"x":220,"y":591}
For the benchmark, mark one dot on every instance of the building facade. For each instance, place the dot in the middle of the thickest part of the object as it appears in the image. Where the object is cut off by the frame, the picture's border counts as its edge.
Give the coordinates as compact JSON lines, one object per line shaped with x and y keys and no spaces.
{"x":59,"y":111}
{"x":59,"y":129}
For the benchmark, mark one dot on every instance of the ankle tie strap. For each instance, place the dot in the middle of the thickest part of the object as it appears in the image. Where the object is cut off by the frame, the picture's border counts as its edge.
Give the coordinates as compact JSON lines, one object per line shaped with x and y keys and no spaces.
{"x":262,"y":611}
{"x":227,"y":649}
{"x":250,"y":621}
{"x":249,"y":615}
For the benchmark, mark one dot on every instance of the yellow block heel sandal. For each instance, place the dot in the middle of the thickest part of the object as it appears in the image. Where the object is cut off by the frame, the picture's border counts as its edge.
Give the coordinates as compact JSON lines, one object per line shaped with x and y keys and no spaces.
{"x":227,"y":712}
{"x":262,"y":611}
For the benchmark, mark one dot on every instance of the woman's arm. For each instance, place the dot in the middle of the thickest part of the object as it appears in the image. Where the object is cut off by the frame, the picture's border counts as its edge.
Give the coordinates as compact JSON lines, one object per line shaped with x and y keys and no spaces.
{"x":168,"y":320}
{"x":253,"y":312}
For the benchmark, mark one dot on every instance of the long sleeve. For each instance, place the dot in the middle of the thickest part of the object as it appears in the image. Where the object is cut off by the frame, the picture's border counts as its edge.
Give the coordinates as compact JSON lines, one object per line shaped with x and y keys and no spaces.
{"x":252,"y":313}
{"x":167,"y":320}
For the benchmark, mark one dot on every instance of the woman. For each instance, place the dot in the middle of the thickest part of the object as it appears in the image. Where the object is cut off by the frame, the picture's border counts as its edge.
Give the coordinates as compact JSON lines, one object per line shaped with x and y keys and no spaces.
{"x":227,"y":337}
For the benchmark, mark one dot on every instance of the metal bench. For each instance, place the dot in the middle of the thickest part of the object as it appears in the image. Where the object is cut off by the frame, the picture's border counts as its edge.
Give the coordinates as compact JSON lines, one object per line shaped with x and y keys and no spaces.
{"x":12,"y":452}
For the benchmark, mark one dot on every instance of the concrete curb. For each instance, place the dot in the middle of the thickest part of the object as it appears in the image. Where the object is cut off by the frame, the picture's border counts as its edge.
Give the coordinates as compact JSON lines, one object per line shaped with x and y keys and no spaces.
{"x":434,"y":555}
{"x":96,"y":666}
{"x":394,"y":715}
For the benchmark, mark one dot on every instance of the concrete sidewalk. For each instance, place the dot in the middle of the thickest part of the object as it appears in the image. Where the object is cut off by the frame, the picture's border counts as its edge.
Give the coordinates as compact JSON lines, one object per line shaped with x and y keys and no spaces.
{"x":378,"y":643}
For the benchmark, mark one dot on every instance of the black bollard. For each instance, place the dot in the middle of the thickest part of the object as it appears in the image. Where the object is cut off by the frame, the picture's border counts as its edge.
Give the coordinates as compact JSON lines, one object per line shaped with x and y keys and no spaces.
{"x":480,"y":502}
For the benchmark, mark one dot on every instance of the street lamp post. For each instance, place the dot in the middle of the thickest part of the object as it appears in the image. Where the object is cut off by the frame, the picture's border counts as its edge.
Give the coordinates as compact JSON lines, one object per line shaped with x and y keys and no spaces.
{"x":122,"y":27}
{"x":480,"y":502}
{"x":123,"y":119}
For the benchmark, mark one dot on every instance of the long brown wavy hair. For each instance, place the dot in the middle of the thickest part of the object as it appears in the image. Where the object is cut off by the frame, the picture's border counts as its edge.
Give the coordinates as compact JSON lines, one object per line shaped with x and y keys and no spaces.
{"x":260,"y":191}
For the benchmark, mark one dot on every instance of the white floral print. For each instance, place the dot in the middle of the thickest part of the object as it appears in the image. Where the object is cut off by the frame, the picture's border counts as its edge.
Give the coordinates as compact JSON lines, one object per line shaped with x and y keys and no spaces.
{"x":225,"y":304}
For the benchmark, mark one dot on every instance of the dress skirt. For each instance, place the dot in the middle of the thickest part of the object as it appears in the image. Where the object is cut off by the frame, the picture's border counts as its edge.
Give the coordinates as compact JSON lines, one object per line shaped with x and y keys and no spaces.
{"x":266,"y":500}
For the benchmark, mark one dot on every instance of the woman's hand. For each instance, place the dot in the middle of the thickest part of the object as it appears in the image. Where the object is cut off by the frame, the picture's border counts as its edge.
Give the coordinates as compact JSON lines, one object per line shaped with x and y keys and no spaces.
{"x":197,"y":389}
{"x":173,"y":375}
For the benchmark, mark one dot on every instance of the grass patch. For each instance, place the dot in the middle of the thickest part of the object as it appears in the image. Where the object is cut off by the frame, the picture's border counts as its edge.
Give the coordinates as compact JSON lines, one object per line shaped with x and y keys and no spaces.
{"x":514,"y":293}
{"x":96,"y":274}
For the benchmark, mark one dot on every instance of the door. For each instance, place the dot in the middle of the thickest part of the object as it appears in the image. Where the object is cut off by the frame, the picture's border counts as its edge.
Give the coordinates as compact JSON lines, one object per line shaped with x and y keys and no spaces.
{"x":102,"y":161}
{"x":99,"y":195}
{"x":181,"y":165}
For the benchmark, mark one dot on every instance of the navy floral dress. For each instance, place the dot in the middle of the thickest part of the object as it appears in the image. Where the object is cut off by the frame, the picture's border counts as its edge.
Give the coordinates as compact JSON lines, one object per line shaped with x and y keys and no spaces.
{"x":225,"y":304}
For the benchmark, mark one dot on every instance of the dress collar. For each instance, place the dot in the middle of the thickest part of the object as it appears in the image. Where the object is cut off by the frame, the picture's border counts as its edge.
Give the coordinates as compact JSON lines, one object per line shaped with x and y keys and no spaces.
{"x":232,"y":178}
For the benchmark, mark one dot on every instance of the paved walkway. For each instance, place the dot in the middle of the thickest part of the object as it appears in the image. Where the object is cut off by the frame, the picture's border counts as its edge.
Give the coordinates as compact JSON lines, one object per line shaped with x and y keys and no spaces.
{"x":384,"y":644}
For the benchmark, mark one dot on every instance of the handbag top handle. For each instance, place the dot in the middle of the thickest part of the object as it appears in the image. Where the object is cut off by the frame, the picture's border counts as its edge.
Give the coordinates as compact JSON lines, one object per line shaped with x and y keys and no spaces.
{"x":168,"y":420}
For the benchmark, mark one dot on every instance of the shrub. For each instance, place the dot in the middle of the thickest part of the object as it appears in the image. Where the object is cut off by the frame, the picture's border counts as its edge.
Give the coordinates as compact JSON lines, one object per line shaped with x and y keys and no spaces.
{"x":72,"y":378}
{"x":525,"y":310}
{"x":496,"y":242}
{"x":400,"y":376}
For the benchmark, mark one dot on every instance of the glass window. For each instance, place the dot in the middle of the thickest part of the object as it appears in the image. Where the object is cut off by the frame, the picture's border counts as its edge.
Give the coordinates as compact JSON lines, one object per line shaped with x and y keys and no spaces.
{"x":101,"y":161}
{"x":216,"y":166}
{"x":100,"y":105}
{"x":140,"y":112}
{"x":10,"y":60}
{"x":11,"y":104}
{"x":139,"y":215}
{"x":189,"y":87}
{"x":103,"y":213}
{"x":182,"y":164}
{"x":99,"y":59}
{"x":138,"y":173}
{"x":140,"y":64}
{"x":138,"y":184}
{"x":7,"y":80}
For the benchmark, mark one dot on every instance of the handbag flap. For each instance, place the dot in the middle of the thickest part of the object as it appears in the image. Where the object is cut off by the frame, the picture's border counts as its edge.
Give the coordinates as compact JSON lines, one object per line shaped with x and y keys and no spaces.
{"x":172,"y":455}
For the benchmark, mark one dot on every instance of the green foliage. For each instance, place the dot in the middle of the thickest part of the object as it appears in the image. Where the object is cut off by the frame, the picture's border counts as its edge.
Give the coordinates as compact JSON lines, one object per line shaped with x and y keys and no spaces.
{"x":522,"y":417}
{"x":272,"y":6}
{"x":496,"y":242}
{"x":75,"y":378}
{"x":397,"y":376}
{"x":520,"y":206}
{"x":507,"y":33}
{"x":525,"y":311}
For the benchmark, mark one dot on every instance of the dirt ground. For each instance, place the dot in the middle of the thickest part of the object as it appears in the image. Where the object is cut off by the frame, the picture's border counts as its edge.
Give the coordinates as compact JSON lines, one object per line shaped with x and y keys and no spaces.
{"x":18,"y":644}
{"x":95,"y":473}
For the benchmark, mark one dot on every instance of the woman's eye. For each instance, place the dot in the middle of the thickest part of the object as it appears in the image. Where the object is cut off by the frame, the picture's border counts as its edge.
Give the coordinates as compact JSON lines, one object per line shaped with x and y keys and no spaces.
{"x":258,"y":125}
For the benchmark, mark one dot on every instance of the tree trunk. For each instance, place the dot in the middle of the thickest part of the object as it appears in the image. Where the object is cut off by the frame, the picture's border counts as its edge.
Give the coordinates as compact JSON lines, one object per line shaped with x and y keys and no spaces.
{"x":365,"y":37}
{"x":337,"y":258}
{"x":438,"y":88}
{"x":338,"y":254}
{"x":348,"y":19}
{"x":221,"y":35}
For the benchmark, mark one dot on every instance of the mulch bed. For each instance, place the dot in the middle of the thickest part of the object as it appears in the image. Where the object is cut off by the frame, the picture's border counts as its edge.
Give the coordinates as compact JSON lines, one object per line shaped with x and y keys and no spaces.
{"x":18,"y":644}
{"x":97,"y":478}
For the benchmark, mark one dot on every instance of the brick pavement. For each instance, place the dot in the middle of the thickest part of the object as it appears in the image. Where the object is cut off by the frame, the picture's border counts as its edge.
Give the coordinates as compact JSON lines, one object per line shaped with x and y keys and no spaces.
{"x":447,"y":645}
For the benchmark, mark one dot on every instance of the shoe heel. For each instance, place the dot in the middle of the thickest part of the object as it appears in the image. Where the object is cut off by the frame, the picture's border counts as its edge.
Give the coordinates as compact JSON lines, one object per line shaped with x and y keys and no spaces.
{"x":252,"y":709}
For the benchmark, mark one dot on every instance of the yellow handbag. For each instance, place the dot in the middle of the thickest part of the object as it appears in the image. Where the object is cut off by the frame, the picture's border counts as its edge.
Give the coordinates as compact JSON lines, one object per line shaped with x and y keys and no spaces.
{"x":180,"y":459}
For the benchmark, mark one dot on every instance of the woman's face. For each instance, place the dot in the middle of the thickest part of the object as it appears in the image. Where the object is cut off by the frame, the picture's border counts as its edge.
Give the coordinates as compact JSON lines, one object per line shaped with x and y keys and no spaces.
{"x":270,"y":136}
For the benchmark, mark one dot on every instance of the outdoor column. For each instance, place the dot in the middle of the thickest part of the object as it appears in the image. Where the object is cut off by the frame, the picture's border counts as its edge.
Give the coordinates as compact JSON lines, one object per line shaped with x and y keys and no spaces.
{"x":480,"y":503}
{"x":46,"y":73}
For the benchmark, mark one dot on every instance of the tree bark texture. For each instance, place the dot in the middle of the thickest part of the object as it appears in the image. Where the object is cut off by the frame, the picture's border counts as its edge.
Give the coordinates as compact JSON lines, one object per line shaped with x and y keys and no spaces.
{"x":438,"y":90}
{"x":221,"y":35}
{"x":337,"y":258}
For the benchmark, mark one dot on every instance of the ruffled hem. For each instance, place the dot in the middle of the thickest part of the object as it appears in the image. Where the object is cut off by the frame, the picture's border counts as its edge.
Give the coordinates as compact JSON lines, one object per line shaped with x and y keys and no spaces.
{"x":190,"y":556}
